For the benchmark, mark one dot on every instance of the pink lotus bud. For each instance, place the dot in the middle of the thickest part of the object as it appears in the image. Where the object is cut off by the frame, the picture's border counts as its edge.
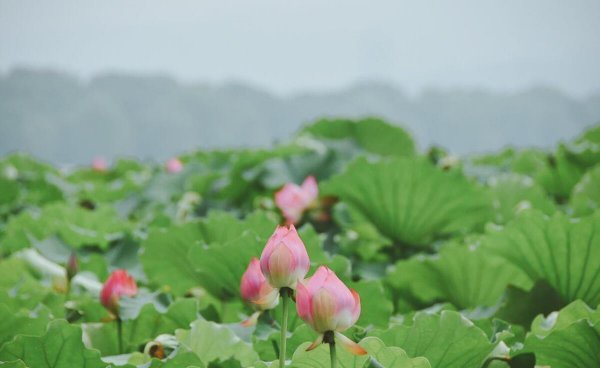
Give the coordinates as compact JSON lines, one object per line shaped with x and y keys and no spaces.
{"x":284,"y":261}
{"x":99,"y":164}
{"x":327,"y":305}
{"x":256,"y":290}
{"x":293,"y":200}
{"x":173,"y":165}
{"x":118,"y":284}
{"x":72,"y":266}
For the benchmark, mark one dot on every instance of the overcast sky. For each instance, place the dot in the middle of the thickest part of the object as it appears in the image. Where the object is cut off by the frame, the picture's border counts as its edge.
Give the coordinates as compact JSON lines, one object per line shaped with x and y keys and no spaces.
{"x":289,"y":46}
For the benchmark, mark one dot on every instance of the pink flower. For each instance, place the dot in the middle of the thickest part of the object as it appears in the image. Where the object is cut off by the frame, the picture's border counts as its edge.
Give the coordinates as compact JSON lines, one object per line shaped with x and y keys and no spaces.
{"x":118,"y":284}
{"x":173,"y":165}
{"x":293,"y":200}
{"x":284,"y":261}
{"x":256,"y":290}
{"x":327,"y":305}
{"x":99,"y":164}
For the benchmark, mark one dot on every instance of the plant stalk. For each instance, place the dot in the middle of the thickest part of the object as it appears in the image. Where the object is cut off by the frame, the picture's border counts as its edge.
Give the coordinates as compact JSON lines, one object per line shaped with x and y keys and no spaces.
{"x":120,"y":334}
{"x":332,"y":354}
{"x":285,"y":298}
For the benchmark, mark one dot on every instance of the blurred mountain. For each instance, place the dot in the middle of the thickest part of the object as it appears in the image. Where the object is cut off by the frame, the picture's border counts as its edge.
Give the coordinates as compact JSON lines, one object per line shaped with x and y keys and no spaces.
{"x":64,"y":119}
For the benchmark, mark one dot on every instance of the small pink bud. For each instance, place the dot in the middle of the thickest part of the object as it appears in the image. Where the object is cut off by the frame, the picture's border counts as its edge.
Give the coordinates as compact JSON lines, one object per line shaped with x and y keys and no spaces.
{"x":327,"y":305}
{"x":256,"y":290}
{"x":284,"y":261}
{"x":118,"y":284}
{"x":173,"y":165}
{"x":293,"y":200}
{"x":72,"y":266}
{"x":99,"y":164}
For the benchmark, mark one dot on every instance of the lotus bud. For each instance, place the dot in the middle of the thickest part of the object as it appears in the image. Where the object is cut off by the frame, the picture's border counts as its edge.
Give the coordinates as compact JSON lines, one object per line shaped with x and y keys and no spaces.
{"x":173,"y":165}
{"x":99,"y":164}
{"x":255,"y":288}
{"x":328,"y":306}
{"x":72,"y":266}
{"x":293,"y":200}
{"x":284,"y":261}
{"x":118,"y":284}
{"x":257,"y":291}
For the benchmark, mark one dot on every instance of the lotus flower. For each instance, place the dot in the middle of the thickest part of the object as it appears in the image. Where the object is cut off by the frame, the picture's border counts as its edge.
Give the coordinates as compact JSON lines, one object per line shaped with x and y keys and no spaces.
{"x":173,"y":165}
{"x":328,"y":306}
{"x":284,"y":261}
{"x":118,"y":284}
{"x":99,"y":164}
{"x":257,"y":291}
{"x":293,"y":200}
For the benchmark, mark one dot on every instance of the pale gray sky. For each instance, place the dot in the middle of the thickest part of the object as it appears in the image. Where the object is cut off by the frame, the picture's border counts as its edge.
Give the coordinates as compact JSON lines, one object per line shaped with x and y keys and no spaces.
{"x":289,"y":46}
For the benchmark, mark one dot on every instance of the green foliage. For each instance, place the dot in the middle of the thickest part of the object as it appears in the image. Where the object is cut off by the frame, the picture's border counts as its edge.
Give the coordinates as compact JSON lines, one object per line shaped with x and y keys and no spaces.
{"x":569,"y":338}
{"x":556,"y":249}
{"x":60,"y":346}
{"x":484,"y":261}
{"x":409,"y":200}
{"x":446,"y":339}
{"x":372,"y":135}
{"x":214,"y":343}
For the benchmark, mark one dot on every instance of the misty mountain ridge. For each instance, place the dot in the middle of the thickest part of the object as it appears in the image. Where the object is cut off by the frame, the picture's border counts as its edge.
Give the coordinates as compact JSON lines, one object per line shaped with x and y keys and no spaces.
{"x":64,"y":119}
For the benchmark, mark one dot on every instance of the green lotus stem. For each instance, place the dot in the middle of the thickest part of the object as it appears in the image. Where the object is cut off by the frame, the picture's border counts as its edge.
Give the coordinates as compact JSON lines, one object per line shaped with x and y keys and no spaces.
{"x":285,"y":298}
{"x":120,"y":334}
{"x":332,"y":354}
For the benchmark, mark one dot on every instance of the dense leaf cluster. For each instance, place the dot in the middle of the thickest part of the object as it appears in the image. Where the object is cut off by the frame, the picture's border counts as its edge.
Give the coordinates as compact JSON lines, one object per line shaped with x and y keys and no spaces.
{"x":483,"y":261}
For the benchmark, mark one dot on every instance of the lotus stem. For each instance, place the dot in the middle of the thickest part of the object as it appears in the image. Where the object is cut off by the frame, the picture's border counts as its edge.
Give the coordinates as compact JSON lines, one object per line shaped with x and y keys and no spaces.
{"x":120,"y":334}
{"x":285,"y":298}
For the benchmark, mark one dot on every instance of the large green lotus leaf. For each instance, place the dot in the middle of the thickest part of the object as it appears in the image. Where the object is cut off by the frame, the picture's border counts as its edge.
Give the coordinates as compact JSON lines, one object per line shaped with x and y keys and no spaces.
{"x":76,"y":226}
{"x":447,"y":340}
{"x":39,"y":183}
{"x":221,"y":227}
{"x":209,"y":253}
{"x":9,"y":193}
{"x":214,"y":343}
{"x":379,"y":355}
{"x":60,"y":347}
{"x":520,"y":306}
{"x":560,"y":175}
{"x":242,"y":182}
{"x":566,"y":339}
{"x":165,"y":257}
{"x":376,"y":308}
{"x":392,"y":357}
{"x":26,"y":166}
{"x":409,"y":200}
{"x":137,"y":332}
{"x":372,"y":135}
{"x":219,"y":268}
{"x":585,"y":149}
{"x":359,"y":237}
{"x":179,"y":360}
{"x":521,"y":161}
{"x":577,"y":310}
{"x":14,"y":323}
{"x":465,"y":276}
{"x":19,"y":230}
{"x":123,"y":179}
{"x":585,"y":198}
{"x":512,"y":193}
{"x":556,"y":249}
{"x":20,"y":288}
{"x":576,"y":346}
